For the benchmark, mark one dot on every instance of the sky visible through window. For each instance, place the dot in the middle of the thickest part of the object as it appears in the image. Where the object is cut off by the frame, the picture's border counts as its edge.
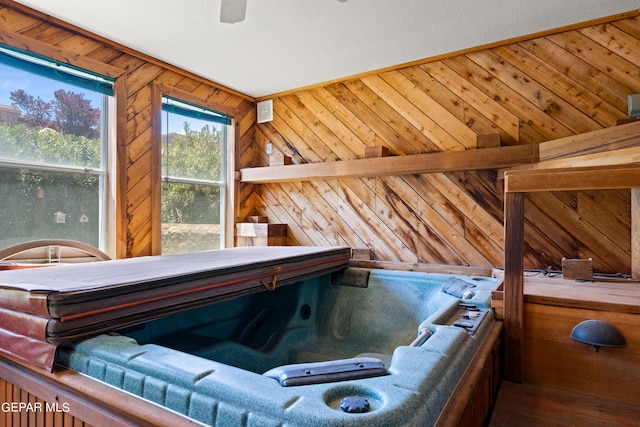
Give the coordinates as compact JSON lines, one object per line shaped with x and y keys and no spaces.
{"x":12,"y":79}
{"x":174,"y":123}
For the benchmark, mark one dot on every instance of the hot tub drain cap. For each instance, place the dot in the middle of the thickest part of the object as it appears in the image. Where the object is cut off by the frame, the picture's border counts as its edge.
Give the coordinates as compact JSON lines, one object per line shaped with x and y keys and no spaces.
{"x":354,"y":404}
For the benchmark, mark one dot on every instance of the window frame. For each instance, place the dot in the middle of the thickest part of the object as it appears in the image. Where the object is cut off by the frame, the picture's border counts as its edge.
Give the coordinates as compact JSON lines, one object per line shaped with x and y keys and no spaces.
{"x":227,"y":234}
{"x":107,"y":173}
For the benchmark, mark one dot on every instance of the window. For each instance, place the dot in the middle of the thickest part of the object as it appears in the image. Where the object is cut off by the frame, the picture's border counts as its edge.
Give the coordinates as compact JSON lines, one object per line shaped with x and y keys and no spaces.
{"x":54,"y":151}
{"x":193,"y":177}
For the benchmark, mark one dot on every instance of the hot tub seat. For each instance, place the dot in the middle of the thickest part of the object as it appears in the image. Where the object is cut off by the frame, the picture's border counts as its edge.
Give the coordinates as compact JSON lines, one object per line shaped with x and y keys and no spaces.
{"x":419,"y":384}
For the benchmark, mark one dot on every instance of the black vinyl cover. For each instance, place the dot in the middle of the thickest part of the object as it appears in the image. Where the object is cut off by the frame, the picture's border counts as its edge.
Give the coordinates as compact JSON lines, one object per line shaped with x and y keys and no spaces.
{"x":80,"y":300}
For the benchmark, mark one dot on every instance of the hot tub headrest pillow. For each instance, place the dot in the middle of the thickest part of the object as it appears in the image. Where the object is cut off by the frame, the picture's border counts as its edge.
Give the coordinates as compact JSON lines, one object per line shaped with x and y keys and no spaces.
{"x":457,"y":287}
{"x":330,"y":371}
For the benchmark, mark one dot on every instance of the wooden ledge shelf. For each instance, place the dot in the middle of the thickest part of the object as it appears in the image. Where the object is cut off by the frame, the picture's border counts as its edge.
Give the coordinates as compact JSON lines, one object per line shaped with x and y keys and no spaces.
{"x":566,"y":179}
{"x":619,"y":296}
{"x":449,"y":161}
{"x":602,"y":141}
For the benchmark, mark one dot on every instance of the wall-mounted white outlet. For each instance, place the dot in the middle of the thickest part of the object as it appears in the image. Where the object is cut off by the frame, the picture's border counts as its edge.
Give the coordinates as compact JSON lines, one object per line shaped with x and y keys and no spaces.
{"x":269,"y":148}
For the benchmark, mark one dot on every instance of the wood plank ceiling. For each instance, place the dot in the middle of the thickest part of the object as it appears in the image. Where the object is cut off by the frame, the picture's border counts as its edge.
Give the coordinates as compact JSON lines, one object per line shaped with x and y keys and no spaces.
{"x":529,"y":91}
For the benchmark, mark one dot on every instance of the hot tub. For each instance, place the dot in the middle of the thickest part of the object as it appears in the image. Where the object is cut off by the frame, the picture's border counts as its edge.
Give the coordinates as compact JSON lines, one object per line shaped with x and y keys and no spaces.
{"x":225,"y":364}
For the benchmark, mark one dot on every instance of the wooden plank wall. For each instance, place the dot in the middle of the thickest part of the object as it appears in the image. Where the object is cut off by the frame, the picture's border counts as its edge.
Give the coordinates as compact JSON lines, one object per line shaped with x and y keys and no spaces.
{"x":38,"y":412}
{"x":557,"y":361}
{"x":529,"y":91}
{"x":137,"y":75}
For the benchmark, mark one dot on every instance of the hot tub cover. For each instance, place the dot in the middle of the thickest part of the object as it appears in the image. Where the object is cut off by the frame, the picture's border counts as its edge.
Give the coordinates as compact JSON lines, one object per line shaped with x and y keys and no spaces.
{"x":42,"y":308}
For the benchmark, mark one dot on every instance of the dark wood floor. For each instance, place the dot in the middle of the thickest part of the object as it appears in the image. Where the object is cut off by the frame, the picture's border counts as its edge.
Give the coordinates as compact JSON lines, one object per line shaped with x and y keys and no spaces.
{"x":523,"y":405}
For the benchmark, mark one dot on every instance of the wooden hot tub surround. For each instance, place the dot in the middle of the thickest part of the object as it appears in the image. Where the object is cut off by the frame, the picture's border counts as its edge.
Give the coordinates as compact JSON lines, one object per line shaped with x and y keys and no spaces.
{"x":553,"y":306}
{"x":609,"y":159}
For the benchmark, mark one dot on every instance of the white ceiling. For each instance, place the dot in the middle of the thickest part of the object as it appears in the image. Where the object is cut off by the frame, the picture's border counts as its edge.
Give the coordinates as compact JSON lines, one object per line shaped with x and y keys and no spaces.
{"x":288,"y":44}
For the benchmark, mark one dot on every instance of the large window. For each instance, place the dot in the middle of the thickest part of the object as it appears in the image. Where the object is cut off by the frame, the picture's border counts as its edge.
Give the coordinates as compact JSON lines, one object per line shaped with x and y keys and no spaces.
{"x":54,"y":156}
{"x":193,"y":177}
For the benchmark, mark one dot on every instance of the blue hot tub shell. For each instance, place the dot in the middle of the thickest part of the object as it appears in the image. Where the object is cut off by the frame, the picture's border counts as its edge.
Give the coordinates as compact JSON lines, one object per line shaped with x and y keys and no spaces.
{"x":208,"y":363}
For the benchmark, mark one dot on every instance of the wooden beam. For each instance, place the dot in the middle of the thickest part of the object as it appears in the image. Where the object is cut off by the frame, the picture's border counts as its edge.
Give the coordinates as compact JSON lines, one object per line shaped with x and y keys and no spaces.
{"x":611,"y":146}
{"x":422,"y":267}
{"x":31,"y":45}
{"x":619,"y":157}
{"x":623,"y":156}
{"x":117,"y":246}
{"x":513,"y":287}
{"x":599,"y":141}
{"x":449,"y":161}
{"x":635,"y":232}
{"x":566,"y":179}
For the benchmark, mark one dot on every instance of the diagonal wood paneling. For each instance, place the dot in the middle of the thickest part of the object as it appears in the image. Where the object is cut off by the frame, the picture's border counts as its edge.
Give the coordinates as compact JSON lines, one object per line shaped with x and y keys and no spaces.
{"x":529,"y":91}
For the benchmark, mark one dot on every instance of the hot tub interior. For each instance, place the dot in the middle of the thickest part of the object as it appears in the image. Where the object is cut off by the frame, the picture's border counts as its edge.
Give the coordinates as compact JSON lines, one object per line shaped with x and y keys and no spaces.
{"x":202,"y":361}
{"x":325,"y":318}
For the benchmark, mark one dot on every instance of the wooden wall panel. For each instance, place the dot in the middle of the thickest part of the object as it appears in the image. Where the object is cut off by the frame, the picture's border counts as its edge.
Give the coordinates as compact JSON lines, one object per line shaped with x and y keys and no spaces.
{"x":529,"y":91}
{"x":555,"y":360}
{"x":34,"y":412}
{"x":137,"y":235}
